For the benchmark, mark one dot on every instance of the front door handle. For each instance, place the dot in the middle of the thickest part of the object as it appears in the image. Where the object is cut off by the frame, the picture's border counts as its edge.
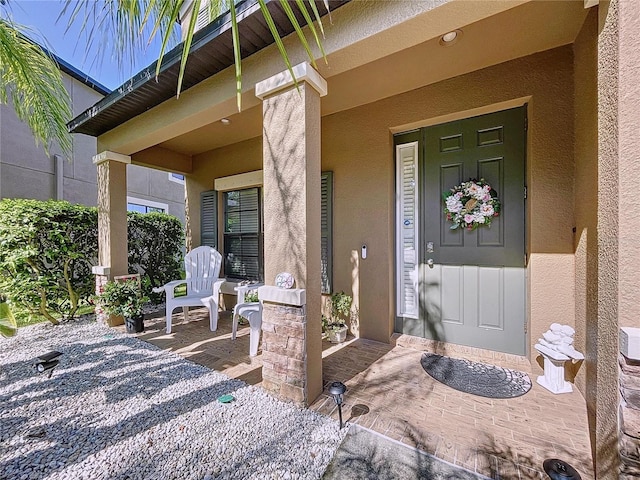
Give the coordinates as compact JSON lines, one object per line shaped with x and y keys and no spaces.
{"x":430,"y":262}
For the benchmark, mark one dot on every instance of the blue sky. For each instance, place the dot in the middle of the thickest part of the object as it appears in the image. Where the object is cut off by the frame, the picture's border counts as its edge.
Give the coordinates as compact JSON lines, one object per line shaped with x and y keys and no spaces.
{"x":42,"y":16}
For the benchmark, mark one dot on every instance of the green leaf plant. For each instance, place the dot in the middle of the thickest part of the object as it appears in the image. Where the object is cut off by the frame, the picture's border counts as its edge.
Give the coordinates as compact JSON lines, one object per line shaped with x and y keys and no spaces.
{"x":122,"y":299}
{"x":31,"y":82}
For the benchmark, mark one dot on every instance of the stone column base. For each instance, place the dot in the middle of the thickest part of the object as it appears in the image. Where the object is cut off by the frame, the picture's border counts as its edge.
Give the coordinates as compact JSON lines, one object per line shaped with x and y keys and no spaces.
{"x":629,"y":440}
{"x":284,"y":352}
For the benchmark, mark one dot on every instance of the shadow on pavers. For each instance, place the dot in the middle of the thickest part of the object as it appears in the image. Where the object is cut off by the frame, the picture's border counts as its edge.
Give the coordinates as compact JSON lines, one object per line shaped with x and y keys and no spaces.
{"x":365,"y":454}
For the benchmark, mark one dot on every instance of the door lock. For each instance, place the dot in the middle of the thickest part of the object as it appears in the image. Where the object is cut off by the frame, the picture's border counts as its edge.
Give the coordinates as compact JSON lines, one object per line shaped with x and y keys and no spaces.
{"x":429,"y":247}
{"x":430,"y":262}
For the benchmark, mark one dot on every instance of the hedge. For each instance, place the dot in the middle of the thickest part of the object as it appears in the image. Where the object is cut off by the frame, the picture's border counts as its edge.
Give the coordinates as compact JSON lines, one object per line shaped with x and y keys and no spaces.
{"x":47,"y":250}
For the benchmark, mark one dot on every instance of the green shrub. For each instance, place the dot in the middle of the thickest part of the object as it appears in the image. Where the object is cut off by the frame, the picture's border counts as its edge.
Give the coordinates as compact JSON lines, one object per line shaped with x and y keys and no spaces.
{"x":47,"y":250}
{"x":46,"y":253}
{"x":122,"y":298}
{"x":155,"y":248}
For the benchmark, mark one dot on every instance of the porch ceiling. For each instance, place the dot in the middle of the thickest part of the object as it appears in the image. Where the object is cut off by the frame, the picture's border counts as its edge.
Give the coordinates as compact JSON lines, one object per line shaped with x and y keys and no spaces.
{"x":526,"y":29}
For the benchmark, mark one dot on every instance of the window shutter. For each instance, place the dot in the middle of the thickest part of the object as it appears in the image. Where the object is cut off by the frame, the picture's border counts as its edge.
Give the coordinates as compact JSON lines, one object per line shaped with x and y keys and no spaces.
{"x":209,"y":219}
{"x":326,"y":230}
{"x":407,"y":229}
{"x":203,"y":16}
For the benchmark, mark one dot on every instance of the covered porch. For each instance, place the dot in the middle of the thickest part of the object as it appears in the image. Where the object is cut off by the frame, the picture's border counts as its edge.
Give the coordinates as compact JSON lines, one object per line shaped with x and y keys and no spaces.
{"x":390,"y":393}
{"x":391,"y":73}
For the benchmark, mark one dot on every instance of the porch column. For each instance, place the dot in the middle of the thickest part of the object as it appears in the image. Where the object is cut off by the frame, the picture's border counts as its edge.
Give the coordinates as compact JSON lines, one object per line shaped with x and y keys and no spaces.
{"x":291,"y":154}
{"x":623,"y":158}
{"x":112,"y":216}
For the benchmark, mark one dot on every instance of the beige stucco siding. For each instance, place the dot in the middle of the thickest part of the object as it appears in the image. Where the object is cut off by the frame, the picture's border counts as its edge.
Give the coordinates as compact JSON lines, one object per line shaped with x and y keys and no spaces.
{"x":357,"y":146}
{"x":586,"y":187}
{"x":238,"y":158}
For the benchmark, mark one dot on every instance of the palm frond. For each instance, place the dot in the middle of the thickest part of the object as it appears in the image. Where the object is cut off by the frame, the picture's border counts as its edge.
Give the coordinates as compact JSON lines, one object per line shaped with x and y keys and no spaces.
{"x":127,"y":26}
{"x":32,"y":83}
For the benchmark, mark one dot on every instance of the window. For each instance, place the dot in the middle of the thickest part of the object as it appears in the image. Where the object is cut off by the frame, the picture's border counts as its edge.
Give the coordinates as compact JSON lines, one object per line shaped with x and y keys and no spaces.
{"x":243,"y":227}
{"x":176,"y":177}
{"x":243,"y":234}
{"x":146,"y":206}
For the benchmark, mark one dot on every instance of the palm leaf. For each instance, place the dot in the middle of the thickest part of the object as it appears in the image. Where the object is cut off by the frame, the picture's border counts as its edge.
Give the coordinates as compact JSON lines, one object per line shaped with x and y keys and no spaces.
{"x":276,"y":36}
{"x":8,"y":325}
{"x":32,"y":82}
{"x":125,"y":23}
{"x":296,"y":26}
{"x":236,"y":54}
{"x":303,"y":8}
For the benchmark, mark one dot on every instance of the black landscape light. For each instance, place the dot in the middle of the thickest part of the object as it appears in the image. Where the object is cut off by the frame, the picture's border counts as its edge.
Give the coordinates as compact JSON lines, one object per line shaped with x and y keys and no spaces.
{"x":337,"y":390}
{"x":560,"y":470}
{"x":47,"y":362}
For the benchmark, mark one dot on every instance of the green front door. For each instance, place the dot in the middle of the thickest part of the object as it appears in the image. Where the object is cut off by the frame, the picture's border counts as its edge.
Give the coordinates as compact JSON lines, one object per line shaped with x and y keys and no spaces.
{"x":469,"y":284}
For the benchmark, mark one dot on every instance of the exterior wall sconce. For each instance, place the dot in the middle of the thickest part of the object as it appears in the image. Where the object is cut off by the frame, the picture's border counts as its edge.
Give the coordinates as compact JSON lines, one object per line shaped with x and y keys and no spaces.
{"x":337,"y":390}
{"x":47,"y":362}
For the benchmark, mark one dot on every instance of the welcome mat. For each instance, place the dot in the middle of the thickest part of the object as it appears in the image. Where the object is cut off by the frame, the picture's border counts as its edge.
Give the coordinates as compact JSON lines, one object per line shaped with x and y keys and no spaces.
{"x":367,"y":455}
{"x":476,"y":378}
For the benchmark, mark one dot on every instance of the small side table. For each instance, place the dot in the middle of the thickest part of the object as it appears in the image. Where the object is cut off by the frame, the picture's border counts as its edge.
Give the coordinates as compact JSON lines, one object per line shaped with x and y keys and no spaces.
{"x":252,"y":311}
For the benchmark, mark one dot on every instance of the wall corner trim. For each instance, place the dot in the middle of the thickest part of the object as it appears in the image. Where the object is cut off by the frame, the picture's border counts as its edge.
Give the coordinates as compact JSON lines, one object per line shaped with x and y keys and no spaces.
{"x":108,"y":155}
{"x":303,"y":72}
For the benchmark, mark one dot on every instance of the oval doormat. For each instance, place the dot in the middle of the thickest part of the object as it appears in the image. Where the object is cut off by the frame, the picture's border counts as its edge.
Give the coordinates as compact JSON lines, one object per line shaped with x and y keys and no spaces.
{"x":476,"y":378}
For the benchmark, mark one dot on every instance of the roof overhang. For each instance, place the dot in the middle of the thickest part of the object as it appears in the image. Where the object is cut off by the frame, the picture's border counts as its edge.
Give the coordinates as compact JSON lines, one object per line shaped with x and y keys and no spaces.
{"x":211,"y":52}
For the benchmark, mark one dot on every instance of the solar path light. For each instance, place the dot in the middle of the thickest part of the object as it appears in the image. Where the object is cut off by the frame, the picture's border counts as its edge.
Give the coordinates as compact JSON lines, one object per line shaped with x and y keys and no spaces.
{"x":47,"y":362}
{"x":337,"y":390}
{"x":560,"y":470}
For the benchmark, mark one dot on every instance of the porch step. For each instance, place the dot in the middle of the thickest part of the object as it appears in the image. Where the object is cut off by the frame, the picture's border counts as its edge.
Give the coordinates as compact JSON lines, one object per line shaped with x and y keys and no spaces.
{"x":505,"y":360}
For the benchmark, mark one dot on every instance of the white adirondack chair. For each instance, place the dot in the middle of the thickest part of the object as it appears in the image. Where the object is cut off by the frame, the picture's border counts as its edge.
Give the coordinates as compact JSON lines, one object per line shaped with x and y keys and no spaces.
{"x":202,"y":267}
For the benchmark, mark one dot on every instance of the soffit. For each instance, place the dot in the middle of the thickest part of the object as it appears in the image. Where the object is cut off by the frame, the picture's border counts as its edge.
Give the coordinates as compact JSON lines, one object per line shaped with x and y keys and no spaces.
{"x":211,"y":52}
{"x":517,"y":32}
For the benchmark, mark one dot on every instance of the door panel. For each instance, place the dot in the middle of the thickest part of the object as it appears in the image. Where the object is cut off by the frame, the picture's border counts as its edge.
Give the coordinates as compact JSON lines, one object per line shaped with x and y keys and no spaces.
{"x":471,"y":284}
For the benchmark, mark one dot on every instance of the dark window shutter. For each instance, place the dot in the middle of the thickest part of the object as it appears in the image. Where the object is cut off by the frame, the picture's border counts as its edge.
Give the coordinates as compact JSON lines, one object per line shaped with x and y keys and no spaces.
{"x":326,"y":231}
{"x":209,"y":218}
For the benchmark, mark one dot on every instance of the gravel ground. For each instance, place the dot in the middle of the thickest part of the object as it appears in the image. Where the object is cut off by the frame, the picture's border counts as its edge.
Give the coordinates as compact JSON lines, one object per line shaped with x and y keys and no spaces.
{"x":119,"y":408}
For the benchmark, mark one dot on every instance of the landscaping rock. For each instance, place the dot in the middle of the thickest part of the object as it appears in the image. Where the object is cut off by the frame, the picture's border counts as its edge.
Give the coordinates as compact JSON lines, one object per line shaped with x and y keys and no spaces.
{"x":119,"y":408}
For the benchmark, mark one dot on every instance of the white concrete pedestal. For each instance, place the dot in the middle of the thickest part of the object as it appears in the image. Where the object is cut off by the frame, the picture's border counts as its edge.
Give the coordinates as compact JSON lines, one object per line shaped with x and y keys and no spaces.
{"x":553,"y":379}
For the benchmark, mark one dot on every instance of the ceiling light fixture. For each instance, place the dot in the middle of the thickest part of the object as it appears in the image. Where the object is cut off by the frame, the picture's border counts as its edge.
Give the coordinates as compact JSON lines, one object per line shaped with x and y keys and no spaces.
{"x":450,"y":38}
{"x":225,"y":121}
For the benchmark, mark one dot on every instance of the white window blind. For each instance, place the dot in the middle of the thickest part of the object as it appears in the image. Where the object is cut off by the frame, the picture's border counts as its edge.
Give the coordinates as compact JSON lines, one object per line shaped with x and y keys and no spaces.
{"x":407,"y":229}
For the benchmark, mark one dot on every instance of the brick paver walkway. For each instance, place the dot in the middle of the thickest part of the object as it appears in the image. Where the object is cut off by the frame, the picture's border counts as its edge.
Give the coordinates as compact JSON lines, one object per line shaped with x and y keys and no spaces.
{"x":388,"y":391}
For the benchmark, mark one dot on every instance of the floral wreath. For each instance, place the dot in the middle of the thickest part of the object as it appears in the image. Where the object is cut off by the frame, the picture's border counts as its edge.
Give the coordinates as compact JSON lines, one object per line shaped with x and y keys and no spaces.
{"x":471,"y":204}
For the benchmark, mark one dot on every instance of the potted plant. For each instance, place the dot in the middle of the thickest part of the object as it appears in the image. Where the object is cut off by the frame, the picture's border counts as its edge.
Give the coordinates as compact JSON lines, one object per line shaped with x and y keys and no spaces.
{"x":124,"y":299}
{"x":336,"y":326}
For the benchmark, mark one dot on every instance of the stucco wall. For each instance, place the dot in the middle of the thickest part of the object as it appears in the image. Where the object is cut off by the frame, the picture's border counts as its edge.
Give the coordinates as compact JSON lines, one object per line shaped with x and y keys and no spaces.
{"x":629,"y":155}
{"x":242,"y":157}
{"x":357,"y":146}
{"x":28,"y":172}
{"x":602,"y":335}
{"x":586,"y":186}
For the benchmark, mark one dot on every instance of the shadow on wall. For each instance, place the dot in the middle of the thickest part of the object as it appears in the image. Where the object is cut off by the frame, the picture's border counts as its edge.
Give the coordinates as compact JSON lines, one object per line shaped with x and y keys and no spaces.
{"x":291,"y":236}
